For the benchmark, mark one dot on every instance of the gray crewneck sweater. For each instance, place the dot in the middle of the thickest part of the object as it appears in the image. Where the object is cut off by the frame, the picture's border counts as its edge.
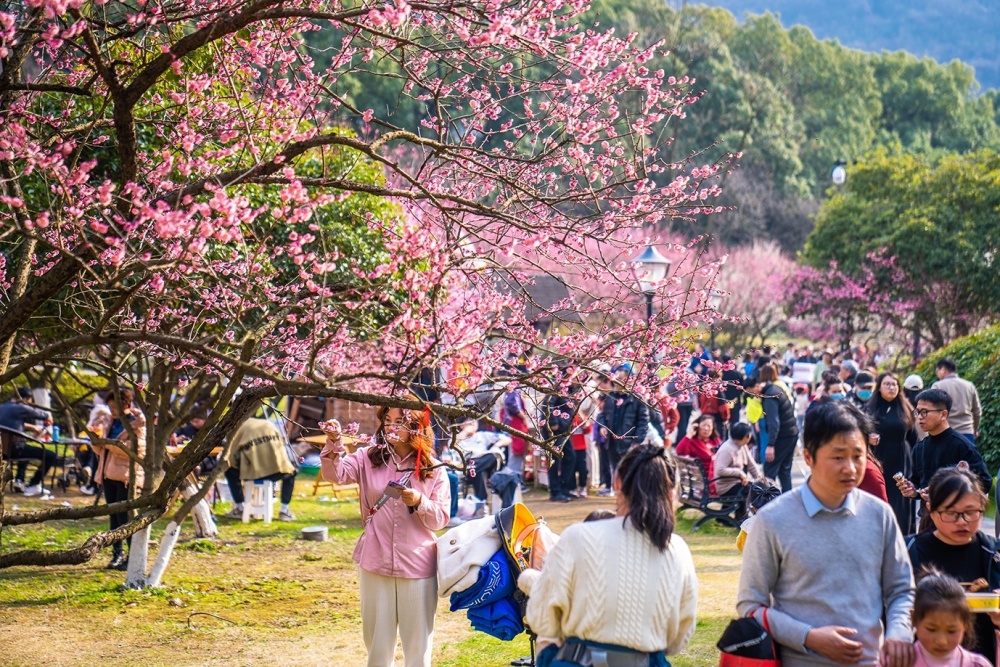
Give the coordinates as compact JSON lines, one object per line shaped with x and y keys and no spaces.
{"x":835,"y":568}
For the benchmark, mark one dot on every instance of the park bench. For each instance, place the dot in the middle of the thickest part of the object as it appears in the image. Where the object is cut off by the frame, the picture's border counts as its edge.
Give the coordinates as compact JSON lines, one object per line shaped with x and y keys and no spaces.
{"x":694,"y":491}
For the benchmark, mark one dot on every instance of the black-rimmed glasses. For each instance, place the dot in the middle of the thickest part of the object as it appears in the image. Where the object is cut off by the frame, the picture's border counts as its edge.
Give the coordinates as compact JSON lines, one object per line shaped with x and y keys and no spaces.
{"x":967,"y":515}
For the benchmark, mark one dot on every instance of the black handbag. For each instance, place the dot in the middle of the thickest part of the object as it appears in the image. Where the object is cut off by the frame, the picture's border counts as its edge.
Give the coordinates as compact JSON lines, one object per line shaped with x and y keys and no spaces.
{"x":747,"y":643}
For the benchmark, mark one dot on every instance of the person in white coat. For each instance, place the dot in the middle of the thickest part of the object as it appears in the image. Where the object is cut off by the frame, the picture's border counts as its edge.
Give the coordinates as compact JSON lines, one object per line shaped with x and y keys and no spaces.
{"x":623,"y":587}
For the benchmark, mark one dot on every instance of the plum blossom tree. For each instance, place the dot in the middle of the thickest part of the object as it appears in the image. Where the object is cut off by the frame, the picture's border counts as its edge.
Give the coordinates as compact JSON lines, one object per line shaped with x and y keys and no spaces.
{"x":754,"y":279}
{"x":836,"y":304}
{"x":191,"y":207}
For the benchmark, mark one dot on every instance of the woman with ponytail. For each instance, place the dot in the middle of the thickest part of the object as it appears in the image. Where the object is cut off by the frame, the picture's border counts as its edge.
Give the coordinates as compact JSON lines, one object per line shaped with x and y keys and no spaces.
{"x":624,"y":585}
{"x":405,"y":497}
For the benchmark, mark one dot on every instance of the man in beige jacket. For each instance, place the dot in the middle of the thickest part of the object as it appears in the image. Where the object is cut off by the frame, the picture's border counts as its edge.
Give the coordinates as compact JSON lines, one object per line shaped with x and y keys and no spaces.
{"x":966,"y":410}
{"x":259,"y":453}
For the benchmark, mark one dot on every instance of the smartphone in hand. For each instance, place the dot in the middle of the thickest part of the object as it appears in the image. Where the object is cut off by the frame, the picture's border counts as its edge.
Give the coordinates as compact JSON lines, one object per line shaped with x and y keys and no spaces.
{"x":394,"y":489}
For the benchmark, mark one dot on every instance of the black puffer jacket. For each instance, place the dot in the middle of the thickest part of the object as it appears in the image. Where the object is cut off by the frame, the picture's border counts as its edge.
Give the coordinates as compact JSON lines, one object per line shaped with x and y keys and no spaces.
{"x":627,"y":419}
{"x":779,"y":414}
{"x":557,"y":416}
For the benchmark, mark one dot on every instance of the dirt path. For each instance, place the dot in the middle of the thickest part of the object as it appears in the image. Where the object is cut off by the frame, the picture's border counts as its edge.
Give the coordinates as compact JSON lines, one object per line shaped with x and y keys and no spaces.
{"x":291,"y":602}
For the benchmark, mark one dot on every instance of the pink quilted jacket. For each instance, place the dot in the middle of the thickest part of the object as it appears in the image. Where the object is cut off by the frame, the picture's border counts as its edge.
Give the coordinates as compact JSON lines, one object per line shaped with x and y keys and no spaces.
{"x":114,"y":463}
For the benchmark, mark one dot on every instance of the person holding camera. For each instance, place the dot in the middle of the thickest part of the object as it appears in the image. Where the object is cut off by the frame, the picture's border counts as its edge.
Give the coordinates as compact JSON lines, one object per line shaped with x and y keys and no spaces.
{"x":405,"y":497}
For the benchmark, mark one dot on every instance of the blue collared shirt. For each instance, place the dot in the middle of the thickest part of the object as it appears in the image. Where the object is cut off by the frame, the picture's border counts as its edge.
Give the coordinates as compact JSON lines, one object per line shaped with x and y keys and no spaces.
{"x":814,"y":506}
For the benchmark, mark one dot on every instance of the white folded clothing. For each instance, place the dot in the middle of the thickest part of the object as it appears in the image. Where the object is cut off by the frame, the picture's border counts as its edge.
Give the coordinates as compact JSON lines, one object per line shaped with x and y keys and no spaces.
{"x":462,"y":551}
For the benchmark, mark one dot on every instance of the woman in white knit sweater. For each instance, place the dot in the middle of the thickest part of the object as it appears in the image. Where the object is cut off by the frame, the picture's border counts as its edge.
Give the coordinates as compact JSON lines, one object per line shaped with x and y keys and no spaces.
{"x":624,"y":587}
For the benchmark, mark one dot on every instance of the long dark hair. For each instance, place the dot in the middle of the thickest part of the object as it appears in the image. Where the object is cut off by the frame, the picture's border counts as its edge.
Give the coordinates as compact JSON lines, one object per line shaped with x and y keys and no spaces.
{"x":647,"y":474}
{"x":878,"y":406}
{"x":946,"y":484}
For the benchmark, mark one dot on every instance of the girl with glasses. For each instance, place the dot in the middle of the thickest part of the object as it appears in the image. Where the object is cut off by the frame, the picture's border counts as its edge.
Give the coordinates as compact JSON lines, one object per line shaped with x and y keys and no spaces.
{"x":951,"y":541}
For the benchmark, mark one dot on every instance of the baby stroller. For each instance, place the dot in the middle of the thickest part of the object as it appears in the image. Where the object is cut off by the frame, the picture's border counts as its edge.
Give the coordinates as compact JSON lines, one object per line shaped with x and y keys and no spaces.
{"x":523,"y":547}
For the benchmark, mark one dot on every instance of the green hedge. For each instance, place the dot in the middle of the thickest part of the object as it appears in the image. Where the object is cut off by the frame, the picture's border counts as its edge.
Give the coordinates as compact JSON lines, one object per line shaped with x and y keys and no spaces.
{"x":978,"y":359}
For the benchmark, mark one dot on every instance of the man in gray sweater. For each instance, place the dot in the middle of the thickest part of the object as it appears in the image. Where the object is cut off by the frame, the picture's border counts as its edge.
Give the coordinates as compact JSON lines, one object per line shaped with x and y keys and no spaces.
{"x":828,"y":561}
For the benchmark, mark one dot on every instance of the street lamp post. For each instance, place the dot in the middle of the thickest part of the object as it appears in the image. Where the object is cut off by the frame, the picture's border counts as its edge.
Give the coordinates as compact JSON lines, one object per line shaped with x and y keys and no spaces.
{"x":650,"y":268}
{"x":839,"y":175}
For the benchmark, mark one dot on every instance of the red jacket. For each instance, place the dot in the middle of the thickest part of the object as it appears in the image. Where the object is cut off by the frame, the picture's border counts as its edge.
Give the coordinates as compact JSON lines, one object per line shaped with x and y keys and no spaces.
{"x":668,"y":410}
{"x":874,"y":481}
{"x":698,"y":449}
{"x":711,"y":404}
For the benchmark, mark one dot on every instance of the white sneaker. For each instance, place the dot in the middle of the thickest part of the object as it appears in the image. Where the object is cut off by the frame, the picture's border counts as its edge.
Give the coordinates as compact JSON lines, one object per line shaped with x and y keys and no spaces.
{"x":35,"y":490}
{"x":87,"y":490}
{"x":286,"y":515}
{"x":19,"y":485}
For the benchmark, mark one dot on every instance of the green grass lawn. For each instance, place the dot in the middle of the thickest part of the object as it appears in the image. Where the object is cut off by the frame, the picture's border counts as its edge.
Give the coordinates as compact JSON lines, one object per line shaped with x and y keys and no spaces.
{"x":273,"y":598}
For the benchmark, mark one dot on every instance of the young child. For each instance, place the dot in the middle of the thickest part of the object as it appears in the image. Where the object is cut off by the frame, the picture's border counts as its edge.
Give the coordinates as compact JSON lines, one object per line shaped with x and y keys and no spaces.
{"x":943,"y":622}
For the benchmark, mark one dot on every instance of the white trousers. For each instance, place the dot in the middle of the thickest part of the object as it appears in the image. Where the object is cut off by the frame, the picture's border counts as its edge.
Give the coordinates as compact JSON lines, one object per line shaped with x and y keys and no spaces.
{"x":391,"y":605}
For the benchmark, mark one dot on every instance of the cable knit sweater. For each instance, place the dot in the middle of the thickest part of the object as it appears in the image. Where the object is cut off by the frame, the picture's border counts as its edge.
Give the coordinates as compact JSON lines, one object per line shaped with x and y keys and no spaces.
{"x":606,"y":582}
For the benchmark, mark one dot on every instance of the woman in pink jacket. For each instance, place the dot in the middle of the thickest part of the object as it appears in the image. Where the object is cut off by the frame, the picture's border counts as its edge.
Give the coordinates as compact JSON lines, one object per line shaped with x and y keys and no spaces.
{"x":405,"y":497}
{"x":113,"y":463}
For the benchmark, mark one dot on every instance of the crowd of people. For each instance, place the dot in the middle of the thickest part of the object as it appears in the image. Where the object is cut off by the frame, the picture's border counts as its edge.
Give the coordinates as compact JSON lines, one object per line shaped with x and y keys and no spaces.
{"x":867,"y":562}
{"x":833,"y":569}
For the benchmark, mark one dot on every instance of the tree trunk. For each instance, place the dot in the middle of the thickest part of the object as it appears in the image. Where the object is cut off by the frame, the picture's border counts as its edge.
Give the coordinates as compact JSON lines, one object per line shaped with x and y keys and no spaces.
{"x":204,"y":526}
{"x":167,"y":543}
{"x":138,"y":553}
{"x":201,"y":514}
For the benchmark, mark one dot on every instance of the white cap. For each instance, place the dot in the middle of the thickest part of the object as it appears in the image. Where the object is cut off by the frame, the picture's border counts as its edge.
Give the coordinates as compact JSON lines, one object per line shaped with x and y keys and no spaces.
{"x":913,"y":382}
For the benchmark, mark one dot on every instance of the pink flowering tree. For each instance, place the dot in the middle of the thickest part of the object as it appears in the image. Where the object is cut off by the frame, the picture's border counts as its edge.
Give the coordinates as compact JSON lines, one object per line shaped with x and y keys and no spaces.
{"x":754,"y":280}
{"x":194,"y":208}
{"x":833,"y":304}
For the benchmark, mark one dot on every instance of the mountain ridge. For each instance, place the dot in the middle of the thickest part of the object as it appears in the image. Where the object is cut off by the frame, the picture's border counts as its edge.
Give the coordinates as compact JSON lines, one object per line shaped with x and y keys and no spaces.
{"x":945,"y":30}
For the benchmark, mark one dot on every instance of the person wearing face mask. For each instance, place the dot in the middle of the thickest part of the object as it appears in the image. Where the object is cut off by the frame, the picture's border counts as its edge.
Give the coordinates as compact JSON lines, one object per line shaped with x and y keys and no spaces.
{"x":863,"y":390}
{"x":833,"y":390}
